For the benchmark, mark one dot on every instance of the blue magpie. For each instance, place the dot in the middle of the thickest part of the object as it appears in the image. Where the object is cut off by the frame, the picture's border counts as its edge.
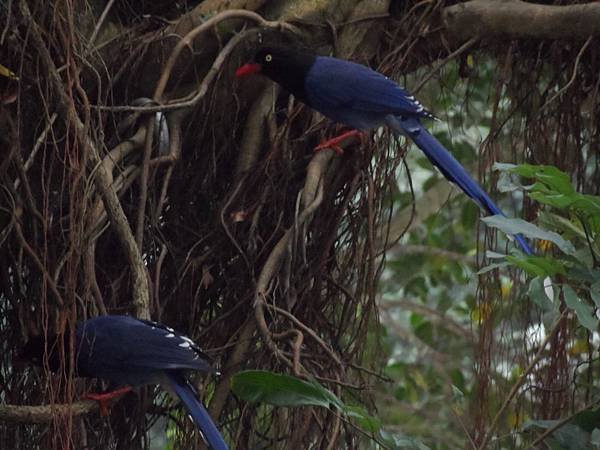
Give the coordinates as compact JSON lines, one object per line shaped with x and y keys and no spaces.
{"x":355,"y":95}
{"x":131,"y":352}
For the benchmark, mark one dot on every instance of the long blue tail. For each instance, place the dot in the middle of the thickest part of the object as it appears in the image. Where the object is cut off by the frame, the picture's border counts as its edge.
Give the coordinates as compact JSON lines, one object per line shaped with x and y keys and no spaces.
{"x":189,"y":397}
{"x":449,"y":166}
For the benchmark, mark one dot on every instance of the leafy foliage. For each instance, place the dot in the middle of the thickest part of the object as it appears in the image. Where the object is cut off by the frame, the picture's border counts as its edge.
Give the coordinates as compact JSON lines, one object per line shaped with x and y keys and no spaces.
{"x":281,"y":390}
{"x":575,"y":218}
{"x":440,"y":379}
{"x":258,"y":386}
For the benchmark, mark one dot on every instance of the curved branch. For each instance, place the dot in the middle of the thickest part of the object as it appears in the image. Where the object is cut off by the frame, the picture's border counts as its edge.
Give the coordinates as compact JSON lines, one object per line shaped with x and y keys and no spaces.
{"x":252,"y":139}
{"x":206,"y":26}
{"x":307,"y":330}
{"x":517,"y":19}
{"x":270,"y":269}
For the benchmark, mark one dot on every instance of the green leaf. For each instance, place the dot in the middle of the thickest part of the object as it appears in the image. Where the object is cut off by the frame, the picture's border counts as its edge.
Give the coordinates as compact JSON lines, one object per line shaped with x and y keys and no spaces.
{"x":494,"y":255}
{"x":554,"y":221}
{"x":538,"y":265}
{"x":580,"y":433}
{"x":281,"y":390}
{"x":595,"y":293}
{"x":400,"y":442}
{"x":423,"y":329}
{"x":553,"y":187}
{"x":519,"y":226}
{"x":458,"y":380}
{"x":491,"y":267}
{"x":537,"y":294}
{"x":584,"y":312}
{"x":568,"y":436}
{"x":559,"y":201}
{"x":458,"y":396}
{"x":469,"y":215}
{"x":587,"y":420}
{"x":367,"y":422}
{"x":554,"y":179}
{"x":258,"y":386}
{"x":401,"y":393}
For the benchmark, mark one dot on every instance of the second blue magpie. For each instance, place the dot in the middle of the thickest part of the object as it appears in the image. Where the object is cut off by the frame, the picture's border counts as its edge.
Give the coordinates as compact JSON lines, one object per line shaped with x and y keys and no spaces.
{"x":131,"y":352}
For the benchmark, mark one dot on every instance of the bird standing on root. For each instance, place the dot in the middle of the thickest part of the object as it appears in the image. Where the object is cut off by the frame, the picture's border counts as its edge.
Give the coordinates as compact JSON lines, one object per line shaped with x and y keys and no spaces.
{"x":355,"y":95}
{"x":131,"y":352}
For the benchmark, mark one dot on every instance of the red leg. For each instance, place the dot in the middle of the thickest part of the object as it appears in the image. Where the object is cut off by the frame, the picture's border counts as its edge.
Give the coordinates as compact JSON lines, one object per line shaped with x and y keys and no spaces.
{"x":104,"y":400}
{"x":334,"y":142}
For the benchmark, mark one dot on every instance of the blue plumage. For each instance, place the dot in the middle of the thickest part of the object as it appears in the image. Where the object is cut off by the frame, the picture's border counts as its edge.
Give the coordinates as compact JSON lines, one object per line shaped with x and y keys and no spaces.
{"x":188,"y":395}
{"x":357,"y":96}
{"x":128,"y":351}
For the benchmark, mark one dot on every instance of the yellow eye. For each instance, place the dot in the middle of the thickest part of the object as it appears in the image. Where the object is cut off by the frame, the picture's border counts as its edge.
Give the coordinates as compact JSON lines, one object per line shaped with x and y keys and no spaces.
{"x":268,"y":58}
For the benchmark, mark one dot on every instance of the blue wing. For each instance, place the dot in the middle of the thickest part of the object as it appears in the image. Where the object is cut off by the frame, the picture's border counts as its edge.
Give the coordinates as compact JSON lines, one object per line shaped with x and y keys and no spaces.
{"x":130,"y":351}
{"x":189,"y":397}
{"x":356,"y":95}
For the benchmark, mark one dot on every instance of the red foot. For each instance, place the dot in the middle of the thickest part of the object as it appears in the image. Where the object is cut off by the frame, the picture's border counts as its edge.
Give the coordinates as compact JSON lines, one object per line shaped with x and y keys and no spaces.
{"x":333,"y":144}
{"x":104,"y":400}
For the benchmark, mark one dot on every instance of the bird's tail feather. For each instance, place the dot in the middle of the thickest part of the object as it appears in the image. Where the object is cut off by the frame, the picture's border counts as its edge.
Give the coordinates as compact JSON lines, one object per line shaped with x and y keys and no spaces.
{"x":188,"y":395}
{"x":449,"y":166}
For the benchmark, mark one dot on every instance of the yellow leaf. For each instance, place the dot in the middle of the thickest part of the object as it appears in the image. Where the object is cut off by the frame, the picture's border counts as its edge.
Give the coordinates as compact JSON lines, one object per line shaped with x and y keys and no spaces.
{"x":482,"y":313}
{"x":470,"y":61}
{"x":5,"y":71}
{"x":581,"y":346}
{"x":505,"y":287}
{"x":515,"y":420}
{"x":420,"y":380}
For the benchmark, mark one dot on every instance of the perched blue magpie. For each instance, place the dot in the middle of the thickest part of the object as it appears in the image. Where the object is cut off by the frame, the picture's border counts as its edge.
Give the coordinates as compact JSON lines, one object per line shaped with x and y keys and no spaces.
{"x":128,"y":351}
{"x":357,"y":96}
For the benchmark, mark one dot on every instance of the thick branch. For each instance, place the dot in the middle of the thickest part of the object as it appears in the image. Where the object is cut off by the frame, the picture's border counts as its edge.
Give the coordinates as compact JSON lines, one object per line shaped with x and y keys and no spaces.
{"x":253,"y":131}
{"x":517,"y":19}
{"x":46,"y":413}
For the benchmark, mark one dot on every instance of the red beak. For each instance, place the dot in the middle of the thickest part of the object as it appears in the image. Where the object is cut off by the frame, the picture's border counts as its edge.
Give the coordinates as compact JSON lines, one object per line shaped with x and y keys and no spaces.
{"x":248,"y":69}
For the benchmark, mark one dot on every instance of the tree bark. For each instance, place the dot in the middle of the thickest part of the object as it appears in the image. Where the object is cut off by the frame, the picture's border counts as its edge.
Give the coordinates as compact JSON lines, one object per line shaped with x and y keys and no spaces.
{"x":515,"y":19}
{"x":46,"y":413}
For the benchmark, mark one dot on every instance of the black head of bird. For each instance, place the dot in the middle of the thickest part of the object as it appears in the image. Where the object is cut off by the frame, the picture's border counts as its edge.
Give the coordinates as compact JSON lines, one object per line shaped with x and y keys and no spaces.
{"x":288,"y":66}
